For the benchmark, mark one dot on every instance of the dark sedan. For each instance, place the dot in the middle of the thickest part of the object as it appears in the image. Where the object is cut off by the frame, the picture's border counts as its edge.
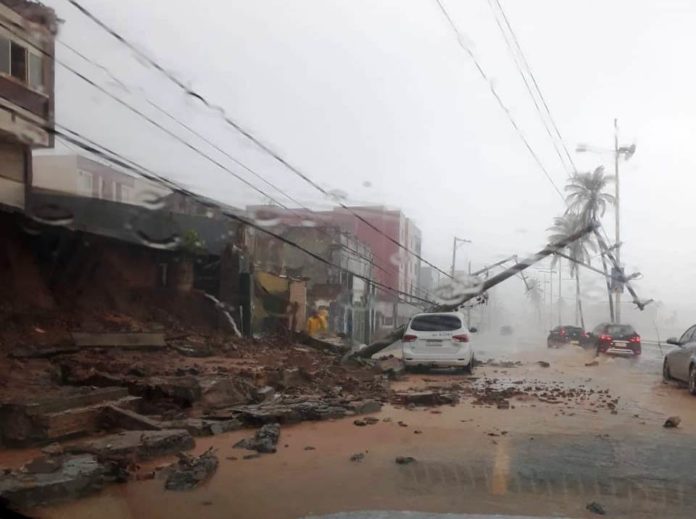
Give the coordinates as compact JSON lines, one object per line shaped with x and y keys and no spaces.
{"x":561,"y":335}
{"x":615,"y":339}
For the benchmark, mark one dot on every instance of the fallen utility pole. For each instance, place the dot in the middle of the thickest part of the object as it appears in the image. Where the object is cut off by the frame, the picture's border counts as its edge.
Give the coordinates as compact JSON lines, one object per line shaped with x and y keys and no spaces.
{"x":487,"y":284}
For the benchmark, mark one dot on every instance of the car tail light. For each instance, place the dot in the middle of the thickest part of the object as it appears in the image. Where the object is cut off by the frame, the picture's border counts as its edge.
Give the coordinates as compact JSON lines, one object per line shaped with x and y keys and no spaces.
{"x":605,"y":338}
{"x":409,"y":338}
{"x":635,"y":338}
{"x":460,"y":338}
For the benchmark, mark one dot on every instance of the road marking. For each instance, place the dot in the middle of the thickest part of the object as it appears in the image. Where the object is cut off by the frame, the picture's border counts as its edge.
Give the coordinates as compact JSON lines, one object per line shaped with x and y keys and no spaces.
{"x":501,"y":469}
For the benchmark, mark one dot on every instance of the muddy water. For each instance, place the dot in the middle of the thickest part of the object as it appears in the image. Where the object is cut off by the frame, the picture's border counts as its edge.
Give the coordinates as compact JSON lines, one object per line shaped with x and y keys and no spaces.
{"x":469,"y":459}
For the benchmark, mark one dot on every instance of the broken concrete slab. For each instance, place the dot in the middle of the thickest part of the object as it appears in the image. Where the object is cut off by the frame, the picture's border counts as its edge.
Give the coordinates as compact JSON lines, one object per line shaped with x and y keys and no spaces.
{"x":191,"y":471}
{"x":391,"y":366}
{"x":365,"y":406}
{"x":203,"y":427}
{"x":181,"y":390}
{"x":220,"y":392}
{"x":117,"y":417}
{"x":140,"y":445}
{"x":119,"y":340}
{"x":78,"y":476}
{"x":265,"y":439}
{"x":426,"y":398}
{"x":71,"y":412}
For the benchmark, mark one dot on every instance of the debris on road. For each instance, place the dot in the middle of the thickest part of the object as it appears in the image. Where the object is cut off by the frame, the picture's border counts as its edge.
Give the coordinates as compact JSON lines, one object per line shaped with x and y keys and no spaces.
{"x":76,"y":476}
{"x":672,"y":422}
{"x":358,"y":457}
{"x":264,"y":441}
{"x":596,"y":508}
{"x":391,"y":366}
{"x":310,"y":448}
{"x":544,"y":364}
{"x":191,"y":471}
{"x":425,"y":398}
{"x":592,"y":363}
{"x":360,"y":422}
{"x":404,"y":460}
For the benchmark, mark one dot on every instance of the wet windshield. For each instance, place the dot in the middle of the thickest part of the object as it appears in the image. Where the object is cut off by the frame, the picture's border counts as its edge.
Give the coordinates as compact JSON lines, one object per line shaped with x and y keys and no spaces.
{"x":291,"y":259}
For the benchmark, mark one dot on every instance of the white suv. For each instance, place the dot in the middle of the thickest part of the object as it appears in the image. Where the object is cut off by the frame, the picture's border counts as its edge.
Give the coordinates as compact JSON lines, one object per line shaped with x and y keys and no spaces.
{"x":438,"y":340}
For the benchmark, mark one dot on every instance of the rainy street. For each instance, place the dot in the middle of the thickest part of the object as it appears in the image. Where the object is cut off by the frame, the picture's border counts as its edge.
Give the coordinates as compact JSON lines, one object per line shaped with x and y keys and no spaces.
{"x":536,"y":457}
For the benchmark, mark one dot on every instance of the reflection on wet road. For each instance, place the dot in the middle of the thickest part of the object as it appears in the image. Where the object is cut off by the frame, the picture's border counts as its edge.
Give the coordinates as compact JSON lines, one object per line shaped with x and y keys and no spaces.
{"x":535,"y":458}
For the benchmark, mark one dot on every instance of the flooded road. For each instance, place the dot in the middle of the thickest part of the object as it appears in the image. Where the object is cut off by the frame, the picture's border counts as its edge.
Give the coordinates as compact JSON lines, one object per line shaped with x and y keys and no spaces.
{"x":535,"y":458}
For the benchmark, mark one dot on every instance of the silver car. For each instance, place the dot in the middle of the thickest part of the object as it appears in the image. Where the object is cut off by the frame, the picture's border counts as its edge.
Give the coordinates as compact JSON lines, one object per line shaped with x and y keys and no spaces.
{"x":680,"y":363}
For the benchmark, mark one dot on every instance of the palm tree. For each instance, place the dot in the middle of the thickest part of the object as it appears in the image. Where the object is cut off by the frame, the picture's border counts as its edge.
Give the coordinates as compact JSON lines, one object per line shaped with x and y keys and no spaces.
{"x":588,"y":200}
{"x":579,"y":251}
{"x":534,"y":294}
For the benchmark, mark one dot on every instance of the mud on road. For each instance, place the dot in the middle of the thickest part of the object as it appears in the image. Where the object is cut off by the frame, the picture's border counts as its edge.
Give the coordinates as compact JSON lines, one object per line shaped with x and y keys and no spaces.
{"x":568,"y":435}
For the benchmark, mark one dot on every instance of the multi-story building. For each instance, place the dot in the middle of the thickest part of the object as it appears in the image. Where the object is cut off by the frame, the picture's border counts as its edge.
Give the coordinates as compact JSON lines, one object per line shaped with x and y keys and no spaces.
{"x":382,"y":230}
{"x":340,"y":284}
{"x":27,"y":32}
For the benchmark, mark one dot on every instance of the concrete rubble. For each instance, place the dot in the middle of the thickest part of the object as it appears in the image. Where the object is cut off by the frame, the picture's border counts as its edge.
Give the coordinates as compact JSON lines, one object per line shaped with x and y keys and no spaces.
{"x":191,"y":471}
{"x":138,"y":445}
{"x":73,"y":477}
{"x":264,"y":441}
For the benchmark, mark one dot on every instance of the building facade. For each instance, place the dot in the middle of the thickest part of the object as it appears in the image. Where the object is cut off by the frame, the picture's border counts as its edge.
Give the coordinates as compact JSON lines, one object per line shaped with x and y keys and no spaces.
{"x":340,"y":284}
{"x":27,"y":32}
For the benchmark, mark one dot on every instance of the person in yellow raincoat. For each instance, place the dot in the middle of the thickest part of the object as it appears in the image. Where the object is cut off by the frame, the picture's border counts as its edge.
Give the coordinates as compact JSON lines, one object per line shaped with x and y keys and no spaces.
{"x":314,"y":323}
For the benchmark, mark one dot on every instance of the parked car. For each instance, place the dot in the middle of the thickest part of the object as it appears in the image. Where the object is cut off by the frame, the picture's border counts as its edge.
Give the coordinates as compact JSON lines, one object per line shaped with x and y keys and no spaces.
{"x":438,"y":340}
{"x":680,"y":363}
{"x":561,"y":335}
{"x":615,"y":339}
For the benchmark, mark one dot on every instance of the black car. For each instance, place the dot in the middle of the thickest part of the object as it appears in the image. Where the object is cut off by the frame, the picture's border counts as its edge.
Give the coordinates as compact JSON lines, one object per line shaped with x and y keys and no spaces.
{"x":615,"y":339}
{"x":561,"y":335}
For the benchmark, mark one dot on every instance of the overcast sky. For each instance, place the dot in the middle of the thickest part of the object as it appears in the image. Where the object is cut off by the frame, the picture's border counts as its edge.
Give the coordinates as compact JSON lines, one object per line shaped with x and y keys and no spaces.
{"x":377,"y":100}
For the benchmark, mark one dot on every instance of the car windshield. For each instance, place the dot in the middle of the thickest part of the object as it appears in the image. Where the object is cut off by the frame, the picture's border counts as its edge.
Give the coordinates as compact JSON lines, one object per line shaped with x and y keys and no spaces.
{"x":436,"y":323}
{"x":275,"y":259}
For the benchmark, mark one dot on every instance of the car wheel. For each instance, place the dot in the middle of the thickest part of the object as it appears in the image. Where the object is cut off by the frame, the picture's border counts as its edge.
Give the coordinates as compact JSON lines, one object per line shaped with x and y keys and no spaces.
{"x":469,"y":368}
{"x":666,"y":376}
{"x":692,"y":380}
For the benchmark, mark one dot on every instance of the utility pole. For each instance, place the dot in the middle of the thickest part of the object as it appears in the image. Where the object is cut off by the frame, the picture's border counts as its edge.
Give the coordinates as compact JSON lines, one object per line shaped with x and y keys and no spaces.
{"x":560,"y":298}
{"x":468,"y":310}
{"x":617,"y":292}
{"x":455,"y":244}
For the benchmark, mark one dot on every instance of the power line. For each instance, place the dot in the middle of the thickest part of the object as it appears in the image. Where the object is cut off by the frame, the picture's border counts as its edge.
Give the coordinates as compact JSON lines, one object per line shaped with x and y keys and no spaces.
{"x":168,"y":132}
{"x":518,"y":66}
{"x":217,"y":108}
{"x":115,"y":158}
{"x":536,"y":86}
{"x":212,"y":144}
{"x":483,"y":74}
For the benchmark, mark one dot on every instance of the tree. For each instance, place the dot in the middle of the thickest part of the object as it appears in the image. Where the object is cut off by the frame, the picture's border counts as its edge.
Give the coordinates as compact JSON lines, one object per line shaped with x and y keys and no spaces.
{"x":534,"y":294}
{"x":579,"y":251}
{"x":588,"y":200}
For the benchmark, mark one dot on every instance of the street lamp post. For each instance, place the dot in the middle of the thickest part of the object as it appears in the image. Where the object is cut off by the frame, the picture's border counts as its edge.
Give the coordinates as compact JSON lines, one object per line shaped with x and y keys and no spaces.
{"x":455,"y":244}
{"x":627,"y":152}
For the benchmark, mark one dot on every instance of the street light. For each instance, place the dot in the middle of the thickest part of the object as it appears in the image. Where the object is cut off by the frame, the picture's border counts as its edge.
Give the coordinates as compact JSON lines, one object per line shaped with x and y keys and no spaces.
{"x":627,"y":152}
{"x":457,"y":242}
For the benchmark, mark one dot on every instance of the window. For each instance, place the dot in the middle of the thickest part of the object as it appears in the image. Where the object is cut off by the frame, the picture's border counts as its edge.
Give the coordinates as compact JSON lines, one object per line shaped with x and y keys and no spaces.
{"x":688,"y":335}
{"x":436,"y":323}
{"x":36,"y":79}
{"x":18,"y":62}
{"x":4,"y":55}
{"x":84,"y":183}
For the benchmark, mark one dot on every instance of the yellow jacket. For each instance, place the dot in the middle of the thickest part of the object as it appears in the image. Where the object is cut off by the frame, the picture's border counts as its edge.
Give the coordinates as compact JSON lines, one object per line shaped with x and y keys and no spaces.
{"x":314,"y":325}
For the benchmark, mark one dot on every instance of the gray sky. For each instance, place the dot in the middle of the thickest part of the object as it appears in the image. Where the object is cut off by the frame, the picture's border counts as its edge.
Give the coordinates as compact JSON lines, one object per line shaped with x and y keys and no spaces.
{"x":377,"y":100}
